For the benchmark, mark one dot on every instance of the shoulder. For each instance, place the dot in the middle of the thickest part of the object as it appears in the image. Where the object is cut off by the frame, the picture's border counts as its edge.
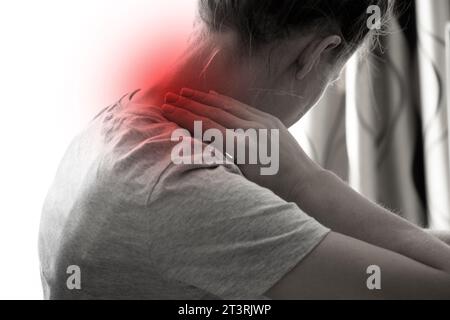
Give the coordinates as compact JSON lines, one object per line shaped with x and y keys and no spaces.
{"x":211,"y":218}
{"x":193,"y":194}
{"x":213,"y":182}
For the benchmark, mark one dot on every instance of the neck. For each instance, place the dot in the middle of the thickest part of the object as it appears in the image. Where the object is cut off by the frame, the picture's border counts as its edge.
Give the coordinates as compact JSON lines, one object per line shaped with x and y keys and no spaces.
{"x":206,"y":64}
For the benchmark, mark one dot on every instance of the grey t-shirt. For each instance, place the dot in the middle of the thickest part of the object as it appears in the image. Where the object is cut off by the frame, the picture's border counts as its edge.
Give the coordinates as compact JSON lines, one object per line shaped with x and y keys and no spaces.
{"x":140,"y":227}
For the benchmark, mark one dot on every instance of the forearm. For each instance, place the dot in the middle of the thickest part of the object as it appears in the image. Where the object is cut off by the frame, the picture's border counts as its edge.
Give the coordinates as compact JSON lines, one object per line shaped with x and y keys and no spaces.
{"x":333,"y":203}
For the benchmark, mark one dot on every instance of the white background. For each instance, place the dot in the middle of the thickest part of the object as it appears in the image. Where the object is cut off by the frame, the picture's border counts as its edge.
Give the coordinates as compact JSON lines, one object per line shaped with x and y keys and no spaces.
{"x":57,"y":62}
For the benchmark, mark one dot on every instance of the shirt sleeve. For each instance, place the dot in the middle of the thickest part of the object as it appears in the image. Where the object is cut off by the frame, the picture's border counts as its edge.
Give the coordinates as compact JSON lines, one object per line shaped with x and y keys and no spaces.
{"x":213,"y":229}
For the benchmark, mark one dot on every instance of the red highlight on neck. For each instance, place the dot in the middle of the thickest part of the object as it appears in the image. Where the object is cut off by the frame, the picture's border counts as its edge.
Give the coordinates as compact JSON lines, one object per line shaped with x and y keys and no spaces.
{"x":149,"y":62}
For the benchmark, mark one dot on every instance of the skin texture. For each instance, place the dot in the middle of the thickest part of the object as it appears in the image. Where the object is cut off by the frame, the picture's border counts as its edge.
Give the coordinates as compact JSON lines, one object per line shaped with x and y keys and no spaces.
{"x":441,"y":235}
{"x":414,"y":263}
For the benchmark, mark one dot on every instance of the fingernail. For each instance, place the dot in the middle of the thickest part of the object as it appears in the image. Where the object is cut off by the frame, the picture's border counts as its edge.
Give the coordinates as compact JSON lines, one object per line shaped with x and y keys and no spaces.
{"x":167,"y":108}
{"x":171,"y":98}
{"x":188,"y":93}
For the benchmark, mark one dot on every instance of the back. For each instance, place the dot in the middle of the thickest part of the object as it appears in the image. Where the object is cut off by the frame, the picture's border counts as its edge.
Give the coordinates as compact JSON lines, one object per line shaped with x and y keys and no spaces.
{"x":95,"y":214}
{"x":140,"y":227}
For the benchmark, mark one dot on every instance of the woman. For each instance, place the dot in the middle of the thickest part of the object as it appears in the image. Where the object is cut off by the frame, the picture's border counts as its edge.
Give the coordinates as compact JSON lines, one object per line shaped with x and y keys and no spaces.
{"x":140,"y":226}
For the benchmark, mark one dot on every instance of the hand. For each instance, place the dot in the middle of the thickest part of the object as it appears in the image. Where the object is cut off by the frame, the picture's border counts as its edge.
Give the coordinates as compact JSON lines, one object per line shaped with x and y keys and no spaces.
{"x":221,"y":112}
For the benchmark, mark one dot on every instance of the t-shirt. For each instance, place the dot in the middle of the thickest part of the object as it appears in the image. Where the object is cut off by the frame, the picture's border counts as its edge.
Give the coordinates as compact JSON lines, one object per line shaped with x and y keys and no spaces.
{"x":122,"y":221}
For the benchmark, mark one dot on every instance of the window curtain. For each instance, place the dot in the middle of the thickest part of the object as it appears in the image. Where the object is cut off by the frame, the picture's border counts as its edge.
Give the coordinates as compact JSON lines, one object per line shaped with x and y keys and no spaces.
{"x":384,"y":127}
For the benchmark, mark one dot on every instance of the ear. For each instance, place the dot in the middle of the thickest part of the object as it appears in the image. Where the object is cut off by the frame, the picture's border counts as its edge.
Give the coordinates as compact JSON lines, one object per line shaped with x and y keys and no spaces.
{"x":313,"y":52}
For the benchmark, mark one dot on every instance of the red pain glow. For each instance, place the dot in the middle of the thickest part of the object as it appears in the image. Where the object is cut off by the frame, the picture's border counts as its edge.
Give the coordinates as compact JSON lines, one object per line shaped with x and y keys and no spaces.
{"x":147,"y":62}
{"x":139,"y":49}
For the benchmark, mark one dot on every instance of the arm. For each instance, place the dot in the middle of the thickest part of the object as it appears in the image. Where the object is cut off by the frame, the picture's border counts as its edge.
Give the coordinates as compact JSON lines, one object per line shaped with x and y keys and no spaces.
{"x":318,"y":192}
{"x":333,"y":203}
{"x":254,"y":239}
{"x":332,"y":271}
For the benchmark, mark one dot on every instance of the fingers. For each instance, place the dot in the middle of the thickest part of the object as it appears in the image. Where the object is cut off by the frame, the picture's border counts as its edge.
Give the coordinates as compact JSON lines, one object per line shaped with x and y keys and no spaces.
{"x":218,"y":115}
{"x":228,"y":104}
{"x":187,"y":119}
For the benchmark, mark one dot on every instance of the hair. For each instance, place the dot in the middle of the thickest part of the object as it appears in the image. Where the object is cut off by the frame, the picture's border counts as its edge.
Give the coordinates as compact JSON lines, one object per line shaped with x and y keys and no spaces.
{"x":259,"y":22}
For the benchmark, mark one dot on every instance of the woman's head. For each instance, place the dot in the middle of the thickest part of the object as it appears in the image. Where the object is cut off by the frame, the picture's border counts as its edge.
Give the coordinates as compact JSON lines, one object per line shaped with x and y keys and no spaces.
{"x":292,"y":48}
{"x":259,"y":22}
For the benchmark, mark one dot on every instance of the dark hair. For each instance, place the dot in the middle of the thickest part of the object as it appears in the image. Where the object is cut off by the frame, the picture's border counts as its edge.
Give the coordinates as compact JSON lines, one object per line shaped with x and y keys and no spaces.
{"x":262,"y":21}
